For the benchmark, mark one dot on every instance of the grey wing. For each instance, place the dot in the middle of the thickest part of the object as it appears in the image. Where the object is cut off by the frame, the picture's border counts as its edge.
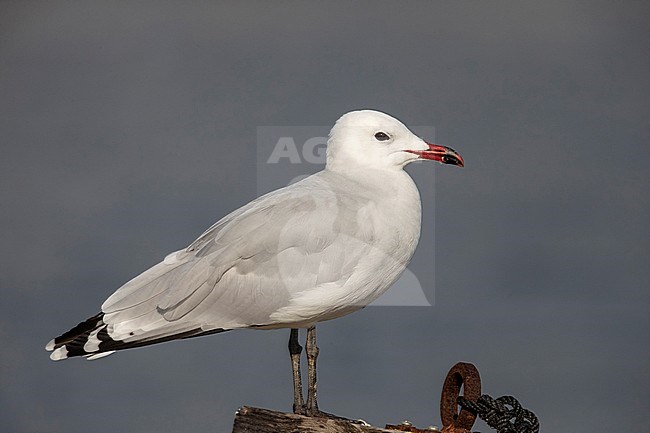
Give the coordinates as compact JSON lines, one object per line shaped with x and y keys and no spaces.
{"x":240,"y":271}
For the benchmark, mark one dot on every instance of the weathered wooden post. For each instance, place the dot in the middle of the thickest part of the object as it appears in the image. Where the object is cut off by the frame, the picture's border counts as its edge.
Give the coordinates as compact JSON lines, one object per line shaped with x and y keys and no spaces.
{"x":256,"y":420}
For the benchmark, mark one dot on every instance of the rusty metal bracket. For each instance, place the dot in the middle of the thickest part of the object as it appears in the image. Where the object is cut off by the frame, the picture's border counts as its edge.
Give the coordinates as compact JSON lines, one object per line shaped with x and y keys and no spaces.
{"x":458,"y":412}
{"x":462,"y":375}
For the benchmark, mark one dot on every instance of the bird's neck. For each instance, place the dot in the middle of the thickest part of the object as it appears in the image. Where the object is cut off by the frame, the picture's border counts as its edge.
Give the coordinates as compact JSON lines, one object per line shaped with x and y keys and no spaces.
{"x":393,"y":187}
{"x":389,"y":180}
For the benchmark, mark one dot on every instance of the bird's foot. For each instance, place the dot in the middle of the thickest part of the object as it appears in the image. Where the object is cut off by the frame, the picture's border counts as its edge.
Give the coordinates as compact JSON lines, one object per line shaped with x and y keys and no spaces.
{"x":316,"y":413}
{"x":300,"y":410}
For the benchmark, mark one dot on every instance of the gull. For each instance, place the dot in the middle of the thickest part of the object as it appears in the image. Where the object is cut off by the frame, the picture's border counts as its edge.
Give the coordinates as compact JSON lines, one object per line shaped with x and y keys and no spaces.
{"x":316,"y":250}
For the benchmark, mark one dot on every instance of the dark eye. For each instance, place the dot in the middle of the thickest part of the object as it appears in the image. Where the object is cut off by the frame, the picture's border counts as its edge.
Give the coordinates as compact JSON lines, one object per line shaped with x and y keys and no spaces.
{"x":382,"y":136}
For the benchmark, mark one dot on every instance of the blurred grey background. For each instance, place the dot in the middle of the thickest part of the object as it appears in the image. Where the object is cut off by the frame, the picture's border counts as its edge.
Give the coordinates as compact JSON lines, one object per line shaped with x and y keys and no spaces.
{"x":127,"y":128}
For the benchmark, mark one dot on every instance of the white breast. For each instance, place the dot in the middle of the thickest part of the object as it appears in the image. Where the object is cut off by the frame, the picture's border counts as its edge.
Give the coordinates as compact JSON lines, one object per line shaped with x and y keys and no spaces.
{"x":376,"y":236}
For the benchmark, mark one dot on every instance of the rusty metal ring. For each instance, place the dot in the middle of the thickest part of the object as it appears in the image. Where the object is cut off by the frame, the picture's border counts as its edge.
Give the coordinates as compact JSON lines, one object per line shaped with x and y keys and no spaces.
{"x":463,"y":375}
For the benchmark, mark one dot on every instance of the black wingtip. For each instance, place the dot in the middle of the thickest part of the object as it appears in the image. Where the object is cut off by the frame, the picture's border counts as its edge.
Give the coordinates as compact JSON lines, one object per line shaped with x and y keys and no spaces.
{"x":85,"y":327}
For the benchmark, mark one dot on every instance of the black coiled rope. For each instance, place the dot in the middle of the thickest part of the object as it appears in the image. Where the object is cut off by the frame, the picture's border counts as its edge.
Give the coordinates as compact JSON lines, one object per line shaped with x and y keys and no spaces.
{"x":497,"y":414}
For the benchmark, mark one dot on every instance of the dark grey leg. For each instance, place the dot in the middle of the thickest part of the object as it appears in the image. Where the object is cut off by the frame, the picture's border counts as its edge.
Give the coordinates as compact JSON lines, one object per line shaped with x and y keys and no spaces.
{"x":295,"y":350}
{"x":312,"y":354}
{"x":311,"y":408}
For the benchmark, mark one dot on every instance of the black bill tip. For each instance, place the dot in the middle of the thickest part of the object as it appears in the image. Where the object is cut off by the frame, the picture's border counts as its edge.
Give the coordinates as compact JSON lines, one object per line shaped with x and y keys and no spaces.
{"x":450,"y":159}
